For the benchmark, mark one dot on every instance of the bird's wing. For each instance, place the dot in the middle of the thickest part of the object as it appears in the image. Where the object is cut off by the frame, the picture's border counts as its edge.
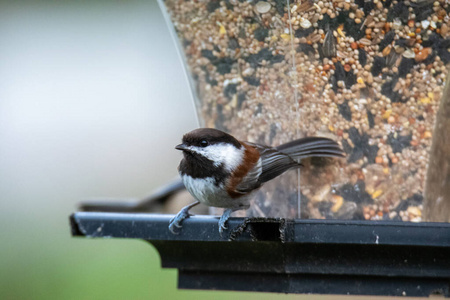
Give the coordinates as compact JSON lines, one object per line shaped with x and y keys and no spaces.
{"x":271,"y":164}
{"x":250,"y":181}
{"x":276,"y":161}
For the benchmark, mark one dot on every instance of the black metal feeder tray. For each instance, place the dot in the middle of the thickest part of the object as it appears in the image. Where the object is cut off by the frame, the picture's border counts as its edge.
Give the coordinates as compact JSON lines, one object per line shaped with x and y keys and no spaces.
{"x":290,"y":256}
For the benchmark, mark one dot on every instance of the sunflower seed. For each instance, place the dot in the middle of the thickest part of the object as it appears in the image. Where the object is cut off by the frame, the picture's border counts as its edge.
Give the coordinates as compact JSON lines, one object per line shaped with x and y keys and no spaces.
{"x":329,"y":45}
{"x":262,"y":7}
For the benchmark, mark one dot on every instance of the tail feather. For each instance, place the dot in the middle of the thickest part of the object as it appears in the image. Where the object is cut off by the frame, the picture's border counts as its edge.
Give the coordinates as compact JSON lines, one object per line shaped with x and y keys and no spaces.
{"x":306,"y":141}
{"x":311,"y":146}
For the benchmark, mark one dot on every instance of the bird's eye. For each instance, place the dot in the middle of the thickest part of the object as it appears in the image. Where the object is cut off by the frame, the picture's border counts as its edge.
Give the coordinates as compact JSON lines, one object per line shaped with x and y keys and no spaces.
{"x":204,"y":143}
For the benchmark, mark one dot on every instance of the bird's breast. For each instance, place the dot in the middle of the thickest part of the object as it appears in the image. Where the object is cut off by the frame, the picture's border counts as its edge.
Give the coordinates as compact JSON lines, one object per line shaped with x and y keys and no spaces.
{"x":208,"y":192}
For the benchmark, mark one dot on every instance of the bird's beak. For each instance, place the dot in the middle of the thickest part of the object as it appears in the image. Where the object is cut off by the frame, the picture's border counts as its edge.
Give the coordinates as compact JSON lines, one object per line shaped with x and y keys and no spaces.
{"x":181,"y":147}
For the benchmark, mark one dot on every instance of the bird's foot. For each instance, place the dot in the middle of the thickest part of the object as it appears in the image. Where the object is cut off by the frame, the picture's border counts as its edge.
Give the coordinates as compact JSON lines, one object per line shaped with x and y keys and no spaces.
{"x":182,"y":215}
{"x":223,"y":219}
{"x":176,"y":221}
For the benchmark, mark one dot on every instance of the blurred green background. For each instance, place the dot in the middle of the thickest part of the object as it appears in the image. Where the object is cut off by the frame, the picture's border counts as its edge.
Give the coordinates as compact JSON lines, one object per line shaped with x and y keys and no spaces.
{"x":92,"y":101}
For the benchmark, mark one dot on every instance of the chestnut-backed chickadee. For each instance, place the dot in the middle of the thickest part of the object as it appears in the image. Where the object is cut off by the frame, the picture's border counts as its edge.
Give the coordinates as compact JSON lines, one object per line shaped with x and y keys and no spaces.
{"x":218,"y":170}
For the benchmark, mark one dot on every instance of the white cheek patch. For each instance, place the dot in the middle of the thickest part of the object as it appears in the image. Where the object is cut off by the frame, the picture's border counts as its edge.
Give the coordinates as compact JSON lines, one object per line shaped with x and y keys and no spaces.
{"x":222,"y":154}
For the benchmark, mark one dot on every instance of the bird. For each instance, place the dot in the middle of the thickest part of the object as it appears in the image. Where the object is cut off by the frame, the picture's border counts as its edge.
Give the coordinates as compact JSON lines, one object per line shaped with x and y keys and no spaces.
{"x":221,"y":171}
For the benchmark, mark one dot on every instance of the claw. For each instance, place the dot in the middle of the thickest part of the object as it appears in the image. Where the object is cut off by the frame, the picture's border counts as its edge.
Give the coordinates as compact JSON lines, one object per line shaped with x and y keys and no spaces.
{"x":222,"y":227}
{"x":172,"y":230}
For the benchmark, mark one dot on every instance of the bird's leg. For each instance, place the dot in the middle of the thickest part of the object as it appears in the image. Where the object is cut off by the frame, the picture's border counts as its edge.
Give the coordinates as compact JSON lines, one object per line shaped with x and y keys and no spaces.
{"x":183,"y":214}
{"x":226,"y":215}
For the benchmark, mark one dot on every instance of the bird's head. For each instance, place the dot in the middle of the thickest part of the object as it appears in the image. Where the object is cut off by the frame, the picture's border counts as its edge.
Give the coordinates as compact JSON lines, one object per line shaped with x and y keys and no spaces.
{"x":214,"y":145}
